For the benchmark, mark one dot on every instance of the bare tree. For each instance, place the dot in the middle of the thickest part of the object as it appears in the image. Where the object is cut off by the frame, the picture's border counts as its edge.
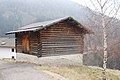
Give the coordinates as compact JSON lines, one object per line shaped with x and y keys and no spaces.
{"x":105,"y":8}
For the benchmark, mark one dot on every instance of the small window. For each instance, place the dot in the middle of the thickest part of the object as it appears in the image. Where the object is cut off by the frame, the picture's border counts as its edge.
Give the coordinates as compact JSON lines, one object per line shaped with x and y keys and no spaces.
{"x":12,"y":49}
{"x":13,"y":57}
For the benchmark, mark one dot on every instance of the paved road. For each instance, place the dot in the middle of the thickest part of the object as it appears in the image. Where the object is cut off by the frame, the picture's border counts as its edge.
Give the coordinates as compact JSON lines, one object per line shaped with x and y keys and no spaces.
{"x":21,"y":71}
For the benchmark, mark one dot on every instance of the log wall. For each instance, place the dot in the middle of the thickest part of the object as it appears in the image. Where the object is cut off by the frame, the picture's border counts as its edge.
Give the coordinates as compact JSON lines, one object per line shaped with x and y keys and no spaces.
{"x":61,"y":39}
{"x":18,"y":42}
{"x":33,"y":42}
{"x":58,"y":39}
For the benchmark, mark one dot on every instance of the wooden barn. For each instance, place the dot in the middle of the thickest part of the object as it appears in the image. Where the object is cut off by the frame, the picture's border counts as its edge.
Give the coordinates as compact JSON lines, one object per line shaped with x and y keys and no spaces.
{"x":56,"y":37}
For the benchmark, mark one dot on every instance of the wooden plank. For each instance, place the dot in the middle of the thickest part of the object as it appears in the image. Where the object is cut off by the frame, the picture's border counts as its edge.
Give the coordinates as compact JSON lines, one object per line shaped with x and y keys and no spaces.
{"x":58,"y":39}
{"x":61,"y":40}
{"x":60,"y":46}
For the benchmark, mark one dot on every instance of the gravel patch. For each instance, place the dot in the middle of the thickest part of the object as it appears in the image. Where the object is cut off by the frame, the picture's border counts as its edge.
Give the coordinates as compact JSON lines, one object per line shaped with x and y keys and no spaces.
{"x":18,"y":71}
{"x":76,"y":59}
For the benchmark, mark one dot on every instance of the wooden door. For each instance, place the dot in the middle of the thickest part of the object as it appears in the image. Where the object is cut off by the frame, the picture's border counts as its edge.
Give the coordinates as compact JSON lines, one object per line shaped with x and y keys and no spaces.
{"x":25,"y":43}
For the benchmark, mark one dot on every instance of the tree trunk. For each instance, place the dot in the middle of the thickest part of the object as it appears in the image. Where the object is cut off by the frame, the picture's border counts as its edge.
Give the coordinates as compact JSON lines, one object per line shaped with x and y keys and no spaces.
{"x":104,"y":47}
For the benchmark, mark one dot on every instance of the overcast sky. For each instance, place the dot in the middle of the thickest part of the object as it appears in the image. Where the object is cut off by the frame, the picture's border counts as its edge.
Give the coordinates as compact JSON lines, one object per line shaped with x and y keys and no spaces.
{"x":82,"y":2}
{"x":110,"y":5}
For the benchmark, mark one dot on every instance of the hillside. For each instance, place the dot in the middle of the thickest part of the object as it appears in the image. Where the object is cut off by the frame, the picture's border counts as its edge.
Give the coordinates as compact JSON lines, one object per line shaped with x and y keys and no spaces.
{"x":17,"y":13}
{"x":13,"y":15}
{"x":17,"y":71}
{"x":80,"y":72}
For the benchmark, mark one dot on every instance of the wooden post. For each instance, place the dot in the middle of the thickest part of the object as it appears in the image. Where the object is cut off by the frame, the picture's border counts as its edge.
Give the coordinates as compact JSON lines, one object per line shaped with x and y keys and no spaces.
{"x":39,"y":54}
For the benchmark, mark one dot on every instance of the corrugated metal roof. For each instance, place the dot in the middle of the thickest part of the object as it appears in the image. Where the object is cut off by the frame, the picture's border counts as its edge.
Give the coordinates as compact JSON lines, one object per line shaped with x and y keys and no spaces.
{"x":7,"y":42}
{"x":41,"y":25}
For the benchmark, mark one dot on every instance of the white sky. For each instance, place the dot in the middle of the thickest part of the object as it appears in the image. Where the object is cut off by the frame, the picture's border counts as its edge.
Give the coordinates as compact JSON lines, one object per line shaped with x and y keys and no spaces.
{"x":88,"y":3}
{"x":83,"y":2}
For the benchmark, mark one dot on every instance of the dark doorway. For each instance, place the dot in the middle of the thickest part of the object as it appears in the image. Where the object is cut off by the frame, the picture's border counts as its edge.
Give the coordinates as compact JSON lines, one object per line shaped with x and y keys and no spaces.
{"x":25,"y":43}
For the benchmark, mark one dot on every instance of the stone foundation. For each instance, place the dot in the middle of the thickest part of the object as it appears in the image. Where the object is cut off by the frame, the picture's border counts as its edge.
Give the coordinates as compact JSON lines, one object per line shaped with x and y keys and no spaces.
{"x":76,"y":59}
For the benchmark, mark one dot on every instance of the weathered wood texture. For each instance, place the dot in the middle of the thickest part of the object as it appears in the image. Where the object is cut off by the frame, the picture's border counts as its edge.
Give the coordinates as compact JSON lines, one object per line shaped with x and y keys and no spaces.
{"x":61,"y":39}
{"x":58,"y":39}
{"x":26,"y":42}
{"x":34,"y":43}
{"x":19,"y":42}
{"x":31,"y":44}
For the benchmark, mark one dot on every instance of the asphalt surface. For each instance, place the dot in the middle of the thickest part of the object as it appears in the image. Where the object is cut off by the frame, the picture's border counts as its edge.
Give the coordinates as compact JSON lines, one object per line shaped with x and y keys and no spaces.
{"x":21,"y":71}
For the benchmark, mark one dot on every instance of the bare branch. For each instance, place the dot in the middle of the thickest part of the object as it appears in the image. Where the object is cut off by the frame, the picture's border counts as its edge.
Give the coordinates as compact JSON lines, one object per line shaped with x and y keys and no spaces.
{"x":94,"y":5}
{"x":93,"y":21}
{"x":104,"y":26}
{"x":112,"y":32}
{"x":110,"y":10}
{"x":105,"y":3}
{"x":113,"y":16}
{"x":115,"y":44}
{"x":99,"y":2}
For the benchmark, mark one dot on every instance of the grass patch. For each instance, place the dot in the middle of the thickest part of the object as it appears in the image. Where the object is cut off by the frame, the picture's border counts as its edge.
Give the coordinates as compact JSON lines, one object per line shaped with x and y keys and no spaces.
{"x":81,"y":72}
{"x":71,"y":72}
{"x":8,"y":60}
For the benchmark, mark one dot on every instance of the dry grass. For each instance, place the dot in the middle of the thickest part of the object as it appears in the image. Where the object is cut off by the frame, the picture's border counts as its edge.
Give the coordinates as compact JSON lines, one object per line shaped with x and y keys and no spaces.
{"x":7,"y":60}
{"x":71,"y":72}
{"x":81,"y":72}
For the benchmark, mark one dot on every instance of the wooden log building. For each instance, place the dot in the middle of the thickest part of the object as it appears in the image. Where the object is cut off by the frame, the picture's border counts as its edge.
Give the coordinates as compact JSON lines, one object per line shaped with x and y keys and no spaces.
{"x":56,"y":37}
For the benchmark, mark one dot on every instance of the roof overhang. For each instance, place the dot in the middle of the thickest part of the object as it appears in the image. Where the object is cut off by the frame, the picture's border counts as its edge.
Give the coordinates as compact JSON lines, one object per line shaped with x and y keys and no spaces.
{"x":41,"y":25}
{"x":24,"y":30}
